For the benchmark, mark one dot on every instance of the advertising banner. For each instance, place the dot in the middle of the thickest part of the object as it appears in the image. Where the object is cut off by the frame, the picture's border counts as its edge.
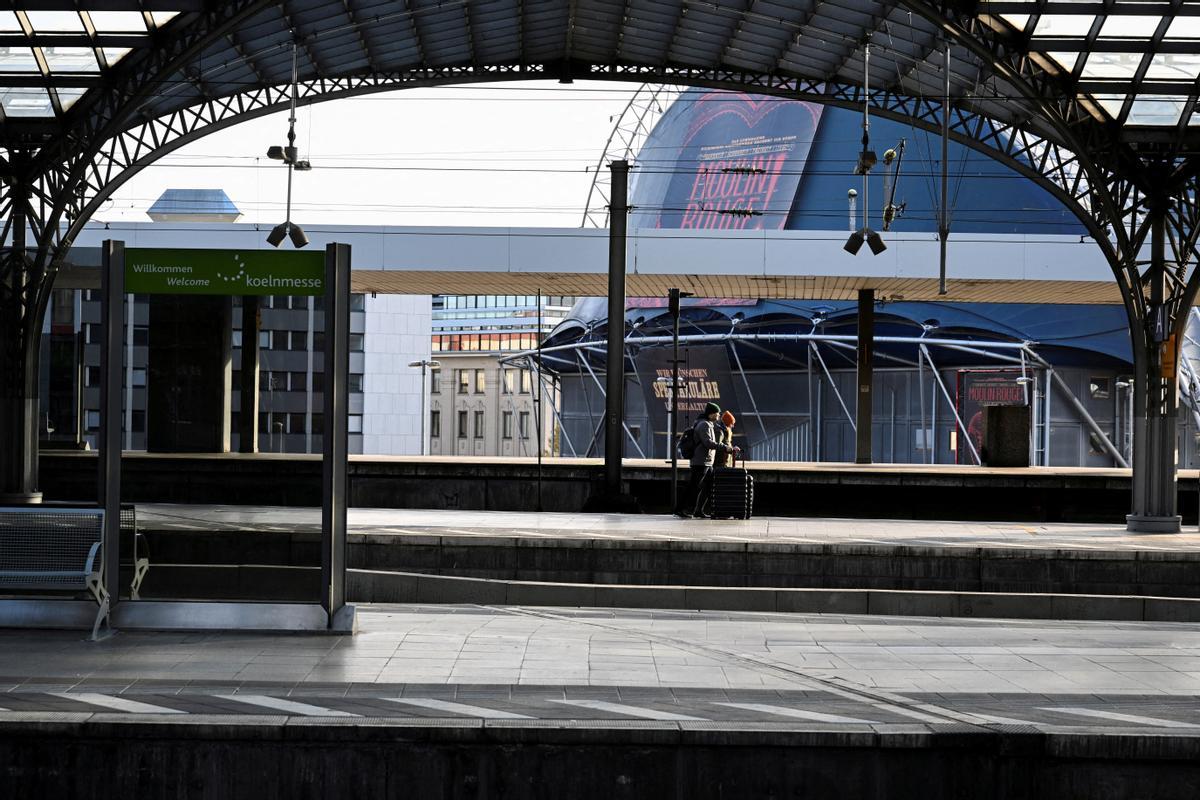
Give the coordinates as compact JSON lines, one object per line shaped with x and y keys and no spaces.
{"x":704,"y":376}
{"x":723,"y":161}
{"x":224,"y":272}
{"x":978,"y":389}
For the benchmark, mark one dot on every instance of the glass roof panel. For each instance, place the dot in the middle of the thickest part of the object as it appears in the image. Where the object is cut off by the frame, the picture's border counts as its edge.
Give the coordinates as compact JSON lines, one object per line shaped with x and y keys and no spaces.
{"x":1018,"y":21}
{"x":163,"y":17}
{"x":70,"y":59}
{"x":1112,"y":65}
{"x":1111,"y":103}
{"x":1065,"y":60}
{"x":118,"y":21}
{"x":55,"y":21}
{"x":67,"y":95}
{"x":1132,"y":26}
{"x":1184,"y":28}
{"x":9,"y":23}
{"x":1174,"y":66}
{"x":114,"y":54}
{"x":1155,"y":110}
{"x":18,"y":59}
{"x":26,"y":101}
{"x":1063,"y":25}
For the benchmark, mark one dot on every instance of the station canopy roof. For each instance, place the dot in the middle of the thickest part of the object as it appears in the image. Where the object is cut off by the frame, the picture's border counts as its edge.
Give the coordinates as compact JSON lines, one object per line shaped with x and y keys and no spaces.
{"x":1133,"y":66}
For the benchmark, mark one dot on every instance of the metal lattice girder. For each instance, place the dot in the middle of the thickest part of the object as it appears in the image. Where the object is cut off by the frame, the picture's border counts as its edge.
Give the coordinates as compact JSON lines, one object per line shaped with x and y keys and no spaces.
{"x":1030,"y":96}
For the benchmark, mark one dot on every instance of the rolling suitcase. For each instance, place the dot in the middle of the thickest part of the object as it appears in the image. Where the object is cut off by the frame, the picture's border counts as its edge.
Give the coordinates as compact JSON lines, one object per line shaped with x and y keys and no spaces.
{"x":732,"y":492}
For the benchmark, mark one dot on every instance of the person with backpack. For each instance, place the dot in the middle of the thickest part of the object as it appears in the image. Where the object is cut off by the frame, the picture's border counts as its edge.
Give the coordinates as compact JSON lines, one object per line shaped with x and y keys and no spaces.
{"x":699,"y":445}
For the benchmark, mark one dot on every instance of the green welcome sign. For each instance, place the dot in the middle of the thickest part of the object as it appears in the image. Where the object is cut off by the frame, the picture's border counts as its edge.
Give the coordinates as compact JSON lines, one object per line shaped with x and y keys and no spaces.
{"x":259,"y":272}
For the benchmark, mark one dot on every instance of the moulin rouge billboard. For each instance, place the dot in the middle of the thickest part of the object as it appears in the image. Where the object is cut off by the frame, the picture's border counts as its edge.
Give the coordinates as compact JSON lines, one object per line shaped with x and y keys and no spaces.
{"x":724,"y":161}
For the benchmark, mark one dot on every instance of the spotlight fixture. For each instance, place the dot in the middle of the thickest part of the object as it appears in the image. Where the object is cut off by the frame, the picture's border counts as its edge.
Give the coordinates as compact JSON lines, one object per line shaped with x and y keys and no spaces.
{"x":873,"y":240}
{"x":854,"y":243}
{"x":287,"y":230}
{"x":290,"y":156}
{"x":277,"y":234}
{"x":299,"y":238}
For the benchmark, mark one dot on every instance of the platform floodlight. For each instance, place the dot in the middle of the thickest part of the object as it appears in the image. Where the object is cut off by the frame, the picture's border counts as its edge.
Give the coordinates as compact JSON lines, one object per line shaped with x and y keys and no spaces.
{"x":875,"y":242}
{"x":289,"y":154}
{"x":297,"y":235}
{"x":854,"y":243}
{"x":277,"y":234}
{"x":872,"y":239}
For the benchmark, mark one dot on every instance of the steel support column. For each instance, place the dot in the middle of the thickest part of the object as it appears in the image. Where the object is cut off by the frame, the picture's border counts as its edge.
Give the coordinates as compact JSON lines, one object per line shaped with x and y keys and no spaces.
{"x":112,"y":298}
{"x":865,"y":381}
{"x":335,"y":437}
{"x":614,"y":395}
{"x":19,"y":359}
{"x":1156,"y":397}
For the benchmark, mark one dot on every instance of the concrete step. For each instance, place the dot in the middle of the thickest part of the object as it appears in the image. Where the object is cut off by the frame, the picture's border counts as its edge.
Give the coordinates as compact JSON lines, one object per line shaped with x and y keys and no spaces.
{"x":374,"y":586}
{"x":702,"y":563}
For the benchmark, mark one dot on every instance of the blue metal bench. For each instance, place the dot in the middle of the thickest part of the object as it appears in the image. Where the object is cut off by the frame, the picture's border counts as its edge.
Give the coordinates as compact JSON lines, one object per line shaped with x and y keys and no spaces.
{"x":54,"y":549}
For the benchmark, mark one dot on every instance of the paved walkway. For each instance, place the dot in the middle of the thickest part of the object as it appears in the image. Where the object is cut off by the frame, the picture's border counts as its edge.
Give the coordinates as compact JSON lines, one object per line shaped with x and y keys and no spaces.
{"x":456,"y":663}
{"x":768,"y":530}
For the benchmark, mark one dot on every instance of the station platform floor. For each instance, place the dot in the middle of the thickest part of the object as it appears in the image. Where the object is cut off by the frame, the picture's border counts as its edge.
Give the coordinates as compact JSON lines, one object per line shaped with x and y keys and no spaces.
{"x":406,"y":523}
{"x":512,"y":665}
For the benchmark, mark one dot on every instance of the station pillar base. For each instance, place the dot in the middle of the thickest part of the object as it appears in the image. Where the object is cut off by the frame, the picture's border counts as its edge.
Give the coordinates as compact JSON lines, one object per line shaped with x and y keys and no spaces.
{"x":1136,"y":523}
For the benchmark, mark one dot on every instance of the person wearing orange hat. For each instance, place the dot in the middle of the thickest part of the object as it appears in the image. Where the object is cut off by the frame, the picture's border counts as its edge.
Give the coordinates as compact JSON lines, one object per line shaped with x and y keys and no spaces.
{"x":725,"y":437}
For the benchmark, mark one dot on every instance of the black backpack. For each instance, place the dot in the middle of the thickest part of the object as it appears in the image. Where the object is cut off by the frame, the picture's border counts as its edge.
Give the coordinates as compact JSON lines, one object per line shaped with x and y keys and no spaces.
{"x":687,"y":443}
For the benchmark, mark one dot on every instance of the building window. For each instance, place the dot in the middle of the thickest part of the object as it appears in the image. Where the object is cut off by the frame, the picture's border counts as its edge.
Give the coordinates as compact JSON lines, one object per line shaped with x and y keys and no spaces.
{"x":264,"y":340}
{"x":318,"y":382}
{"x":139,"y":376}
{"x":141,"y":335}
{"x":478,"y":424}
{"x":480,"y":381}
{"x":435,"y":381}
{"x":464,"y":380}
{"x":91,"y":376}
{"x":298,"y":340}
{"x":356,"y":382}
{"x":435,"y":424}
{"x":358,"y":302}
{"x":526,"y":381}
{"x":506,"y":425}
{"x":354,"y":423}
{"x":318,"y":424}
{"x":1098,"y":388}
{"x":462,"y":424}
{"x":93,"y":420}
{"x":356,"y":342}
{"x":295,"y":423}
{"x":510,"y":382}
{"x":524,"y":424}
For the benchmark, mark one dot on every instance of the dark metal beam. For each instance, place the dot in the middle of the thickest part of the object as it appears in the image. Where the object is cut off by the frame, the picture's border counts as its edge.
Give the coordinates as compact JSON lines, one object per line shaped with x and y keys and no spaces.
{"x":614,"y":393}
{"x":865,"y":380}
{"x":335,"y":436}
{"x":112,"y":302}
